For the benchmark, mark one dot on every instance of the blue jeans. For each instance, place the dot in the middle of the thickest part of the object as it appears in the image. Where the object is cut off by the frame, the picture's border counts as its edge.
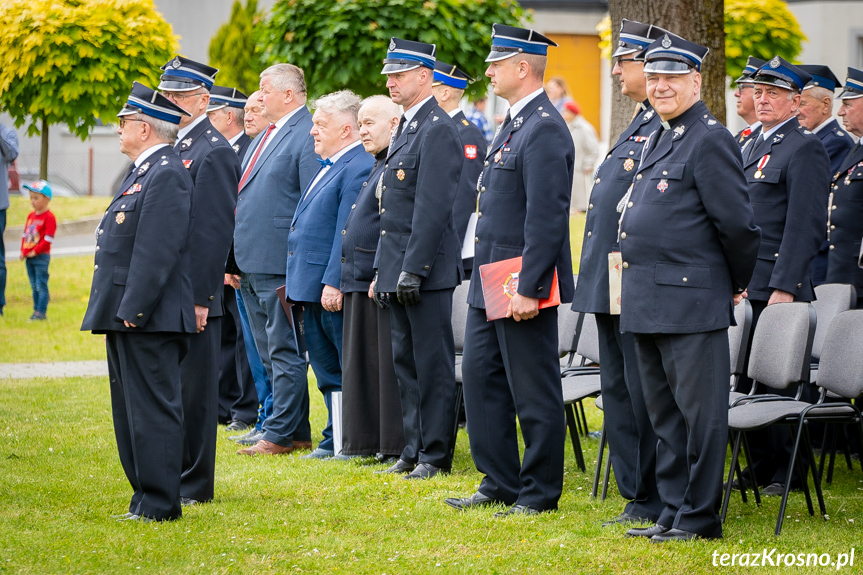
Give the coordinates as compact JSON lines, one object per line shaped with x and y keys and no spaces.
{"x":37,"y":271}
{"x":2,"y":261}
{"x":259,"y":374}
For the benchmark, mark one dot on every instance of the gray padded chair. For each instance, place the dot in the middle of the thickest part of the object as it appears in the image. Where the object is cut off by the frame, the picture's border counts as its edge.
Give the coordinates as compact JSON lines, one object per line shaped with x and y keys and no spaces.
{"x":580,"y":383}
{"x":780,"y":356}
{"x":459,"y":322}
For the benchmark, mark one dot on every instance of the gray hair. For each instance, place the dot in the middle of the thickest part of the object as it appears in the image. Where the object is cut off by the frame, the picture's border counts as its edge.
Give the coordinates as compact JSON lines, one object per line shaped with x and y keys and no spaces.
{"x":820,"y":92}
{"x":341,"y":103}
{"x":163,"y":130}
{"x":239,"y":113}
{"x":286,"y":77}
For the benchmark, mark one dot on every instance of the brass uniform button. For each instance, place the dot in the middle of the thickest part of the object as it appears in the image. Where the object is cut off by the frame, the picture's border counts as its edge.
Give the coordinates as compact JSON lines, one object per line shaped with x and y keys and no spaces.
{"x":625,"y":265}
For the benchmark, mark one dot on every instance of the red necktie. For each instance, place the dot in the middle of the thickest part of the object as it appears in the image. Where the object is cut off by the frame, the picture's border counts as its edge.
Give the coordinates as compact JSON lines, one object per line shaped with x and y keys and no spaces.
{"x":255,"y":157}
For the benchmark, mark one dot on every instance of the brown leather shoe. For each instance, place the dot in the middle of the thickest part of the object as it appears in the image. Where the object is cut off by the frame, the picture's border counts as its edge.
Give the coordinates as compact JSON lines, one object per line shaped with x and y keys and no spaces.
{"x":265,"y":447}
{"x":302,"y":444}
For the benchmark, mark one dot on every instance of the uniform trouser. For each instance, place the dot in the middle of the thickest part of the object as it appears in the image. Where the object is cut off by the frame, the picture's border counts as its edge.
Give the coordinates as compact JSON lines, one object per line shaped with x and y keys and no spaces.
{"x":631,"y":441}
{"x":238,"y":398}
{"x":511,"y":369}
{"x":323,"y":331}
{"x":146,"y":403}
{"x":685,"y":382}
{"x":770,"y":448}
{"x":262,"y":381}
{"x":424,"y":362}
{"x":286,"y":368}
{"x":199,"y":374}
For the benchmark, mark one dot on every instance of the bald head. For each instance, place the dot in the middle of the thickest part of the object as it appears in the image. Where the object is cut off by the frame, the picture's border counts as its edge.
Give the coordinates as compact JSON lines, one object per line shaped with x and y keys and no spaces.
{"x":378,"y":117}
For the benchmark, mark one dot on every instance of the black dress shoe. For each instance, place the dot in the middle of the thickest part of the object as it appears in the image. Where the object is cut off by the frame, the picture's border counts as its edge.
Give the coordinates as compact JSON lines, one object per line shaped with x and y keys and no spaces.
{"x":237,"y":425}
{"x":123,"y":516}
{"x":626,"y":519}
{"x":189,"y":502}
{"x":139,"y":518}
{"x":677,"y":535}
{"x":651,"y":531}
{"x":775,"y":489}
{"x":425,"y":471}
{"x":400,"y":466}
{"x":475,"y":500}
{"x":518,"y":510}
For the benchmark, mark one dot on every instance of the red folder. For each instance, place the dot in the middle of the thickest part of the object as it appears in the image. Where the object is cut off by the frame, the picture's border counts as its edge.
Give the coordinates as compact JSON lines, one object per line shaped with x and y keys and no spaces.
{"x":500,"y":283}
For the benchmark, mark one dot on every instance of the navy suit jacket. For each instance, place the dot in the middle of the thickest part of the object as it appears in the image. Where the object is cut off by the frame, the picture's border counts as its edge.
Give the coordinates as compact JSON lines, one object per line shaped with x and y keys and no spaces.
{"x":215,"y":171}
{"x":315,"y":241}
{"x":688,"y":235}
{"x":524,"y":198}
{"x":788,"y":196}
{"x":612,"y":180}
{"x":420,"y":184}
{"x":846,"y":223}
{"x":142,"y":271}
{"x":474,"y":147}
{"x":362,"y":231}
{"x":269,"y":197}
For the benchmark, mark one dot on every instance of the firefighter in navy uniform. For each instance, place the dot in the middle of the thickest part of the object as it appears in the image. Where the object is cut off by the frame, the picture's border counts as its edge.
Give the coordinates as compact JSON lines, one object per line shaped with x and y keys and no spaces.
{"x":632,"y":443}
{"x":215,"y":169}
{"x":141,"y":299}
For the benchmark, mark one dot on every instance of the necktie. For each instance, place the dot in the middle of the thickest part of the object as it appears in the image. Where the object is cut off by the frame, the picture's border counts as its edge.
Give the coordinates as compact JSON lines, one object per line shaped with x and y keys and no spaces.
{"x":506,"y":121}
{"x":326,"y":162}
{"x":753,"y":143}
{"x":255,"y":157}
{"x":399,"y":129}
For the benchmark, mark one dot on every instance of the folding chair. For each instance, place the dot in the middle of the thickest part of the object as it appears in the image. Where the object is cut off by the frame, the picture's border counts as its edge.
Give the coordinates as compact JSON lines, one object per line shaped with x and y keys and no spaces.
{"x":581,"y":382}
{"x":459,"y":325}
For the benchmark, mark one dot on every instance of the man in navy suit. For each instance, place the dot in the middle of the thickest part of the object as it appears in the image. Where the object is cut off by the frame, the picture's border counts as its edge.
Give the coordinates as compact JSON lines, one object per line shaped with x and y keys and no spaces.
{"x":314,"y":263}
{"x":215,"y":170}
{"x":448,"y":88}
{"x":238,"y":398}
{"x":745,"y":102}
{"x":418,"y":259}
{"x":510,"y":366}
{"x":788,"y":173}
{"x":688,"y":243}
{"x":631,"y":441}
{"x":278,"y":167}
{"x":816,"y":115}
{"x":142,"y":300}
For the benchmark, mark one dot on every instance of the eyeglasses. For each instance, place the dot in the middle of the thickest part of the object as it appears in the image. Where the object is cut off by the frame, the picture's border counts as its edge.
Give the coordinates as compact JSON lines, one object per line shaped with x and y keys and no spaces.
{"x":181,"y":97}
{"x":620,"y":61}
{"x":124,"y":120}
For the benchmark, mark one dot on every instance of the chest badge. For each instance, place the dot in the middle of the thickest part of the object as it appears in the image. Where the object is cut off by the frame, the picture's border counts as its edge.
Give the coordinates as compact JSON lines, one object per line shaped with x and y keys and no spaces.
{"x":662,"y":186}
{"x":121,"y":217}
{"x":188,"y":164}
{"x":400,"y":175}
{"x":628,"y":164}
{"x":143,"y":169}
{"x":498,"y":156}
{"x":761,"y":164}
{"x":133,"y":190}
{"x":186,"y":143}
{"x":516,"y":124}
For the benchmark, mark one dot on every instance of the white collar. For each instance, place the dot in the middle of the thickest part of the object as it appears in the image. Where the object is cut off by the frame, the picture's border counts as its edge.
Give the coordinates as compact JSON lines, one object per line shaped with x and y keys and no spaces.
{"x":335,"y":157}
{"x":286,"y":117}
{"x":453,"y":113}
{"x":233,"y":140}
{"x":409,"y":114}
{"x":822,"y":125}
{"x":519,"y":106}
{"x":771,"y":131}
{"x":181,"y":133}
{"x":147,"y":153}
{"x":755,"y":125}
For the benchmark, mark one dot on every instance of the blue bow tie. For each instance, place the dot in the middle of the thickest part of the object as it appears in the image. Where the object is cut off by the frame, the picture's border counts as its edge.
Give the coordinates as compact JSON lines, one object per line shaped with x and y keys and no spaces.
{"x":325,"y":163}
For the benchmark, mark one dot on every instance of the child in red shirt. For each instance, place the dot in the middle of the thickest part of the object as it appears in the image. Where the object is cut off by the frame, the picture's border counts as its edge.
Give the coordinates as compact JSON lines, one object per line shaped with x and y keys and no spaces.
{"x":36,"y":245}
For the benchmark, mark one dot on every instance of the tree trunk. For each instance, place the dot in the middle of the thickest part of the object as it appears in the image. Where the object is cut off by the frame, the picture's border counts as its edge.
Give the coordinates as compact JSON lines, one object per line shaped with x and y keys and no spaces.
{"x":43,"y":156}
{"x":699,"y":21}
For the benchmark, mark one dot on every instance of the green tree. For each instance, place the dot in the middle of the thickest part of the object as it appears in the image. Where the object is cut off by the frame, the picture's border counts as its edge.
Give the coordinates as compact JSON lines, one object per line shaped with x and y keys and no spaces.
{"x":760,"y":28}
{"x":341,"y":43}
{"x":73,"y":62}
{"x":233,"y":50}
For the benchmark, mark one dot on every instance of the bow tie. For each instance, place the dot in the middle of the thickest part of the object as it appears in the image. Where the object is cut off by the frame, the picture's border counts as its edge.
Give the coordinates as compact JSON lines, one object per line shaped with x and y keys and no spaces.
{"x":325,"y":163}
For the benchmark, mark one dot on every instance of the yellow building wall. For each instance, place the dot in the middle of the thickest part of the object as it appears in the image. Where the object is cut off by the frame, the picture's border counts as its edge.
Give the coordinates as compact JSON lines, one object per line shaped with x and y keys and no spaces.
{"x":577,"y":60}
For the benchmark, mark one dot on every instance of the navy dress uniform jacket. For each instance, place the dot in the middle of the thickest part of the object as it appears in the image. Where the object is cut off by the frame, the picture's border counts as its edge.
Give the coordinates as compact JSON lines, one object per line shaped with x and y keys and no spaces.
{"x":241,"y":146}
{"x":846,"y":223}
{"x":142,"y":257}
{"x":743,"y":140}
{"x":315,"y":241}
{"x":474,"y":147}
{"x":215,"y":170}
{"x":362,"y":231}
{"x":788,"y":198}
{"x":837,"y":142}
{"x":268,"y":199}
{"x":519,"y":216}
{"x":421,"y":177}
{"x":688,"y":235}
{"x":612,"y":180}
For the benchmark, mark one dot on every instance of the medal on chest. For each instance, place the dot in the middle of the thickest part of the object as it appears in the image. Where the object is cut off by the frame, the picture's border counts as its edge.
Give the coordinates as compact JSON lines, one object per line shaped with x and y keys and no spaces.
{"x":628,"y":164}
{"x":761,"y":164}
{"x":120,"y":218}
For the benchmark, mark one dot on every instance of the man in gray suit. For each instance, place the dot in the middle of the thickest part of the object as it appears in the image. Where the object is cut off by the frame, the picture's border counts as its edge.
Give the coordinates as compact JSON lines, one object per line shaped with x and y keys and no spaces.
{"x":8,"y":153}
{"x":279,"y":165}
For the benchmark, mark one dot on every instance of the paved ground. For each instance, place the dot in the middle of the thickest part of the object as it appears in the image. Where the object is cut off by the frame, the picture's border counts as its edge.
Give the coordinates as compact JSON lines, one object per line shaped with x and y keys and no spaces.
{"x":63,"y":246}
{"x":57,"y":369}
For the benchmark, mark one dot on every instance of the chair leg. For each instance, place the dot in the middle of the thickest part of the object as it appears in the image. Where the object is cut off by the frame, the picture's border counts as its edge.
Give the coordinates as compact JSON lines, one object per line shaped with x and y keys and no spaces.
{"x":832,"y":459}
{"x":573,"y":434}
{"x":847,"y":451}
{"x":605,"y":478}
{"x":801,"y":469}
{"x":735,"y":452}
{"x":599,"y":456}
{"x":583,"y":418}
{"x":816,"y":479}
{"x":748,"y":453}
{"x":825,"y":441}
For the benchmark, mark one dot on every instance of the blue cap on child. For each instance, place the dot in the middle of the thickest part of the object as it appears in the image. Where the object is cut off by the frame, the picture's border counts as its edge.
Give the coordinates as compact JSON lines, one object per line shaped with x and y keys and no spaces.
{"x":40,"y":187}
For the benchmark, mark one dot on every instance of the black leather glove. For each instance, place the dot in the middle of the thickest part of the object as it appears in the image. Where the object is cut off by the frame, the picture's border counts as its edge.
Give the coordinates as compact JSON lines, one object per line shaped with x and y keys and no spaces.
{"x":381,"y":298}
{"x":408,"y":289}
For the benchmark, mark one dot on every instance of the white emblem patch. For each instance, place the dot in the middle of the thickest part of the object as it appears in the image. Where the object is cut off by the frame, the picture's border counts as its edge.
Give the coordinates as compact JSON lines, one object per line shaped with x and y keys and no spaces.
{"x":666,"y":41}
{"x":678,"y":131}
{"x":392,"y":45}
{"x":775,"y":63}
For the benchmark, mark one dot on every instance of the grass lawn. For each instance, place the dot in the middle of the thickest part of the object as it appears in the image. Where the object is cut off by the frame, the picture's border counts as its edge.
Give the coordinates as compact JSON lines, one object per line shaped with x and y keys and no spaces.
{"x":60,"y":479}
{"x":64,"y":209}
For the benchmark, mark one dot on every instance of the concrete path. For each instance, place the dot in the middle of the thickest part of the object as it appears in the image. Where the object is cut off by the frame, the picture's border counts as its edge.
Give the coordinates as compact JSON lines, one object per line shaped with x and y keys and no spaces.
{"x":57,"y":369}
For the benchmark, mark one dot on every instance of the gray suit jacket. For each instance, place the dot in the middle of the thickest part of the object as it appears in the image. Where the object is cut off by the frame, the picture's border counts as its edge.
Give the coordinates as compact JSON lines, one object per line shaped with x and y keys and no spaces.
{"x":269,"y":196}
{"x":8,"y":151}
